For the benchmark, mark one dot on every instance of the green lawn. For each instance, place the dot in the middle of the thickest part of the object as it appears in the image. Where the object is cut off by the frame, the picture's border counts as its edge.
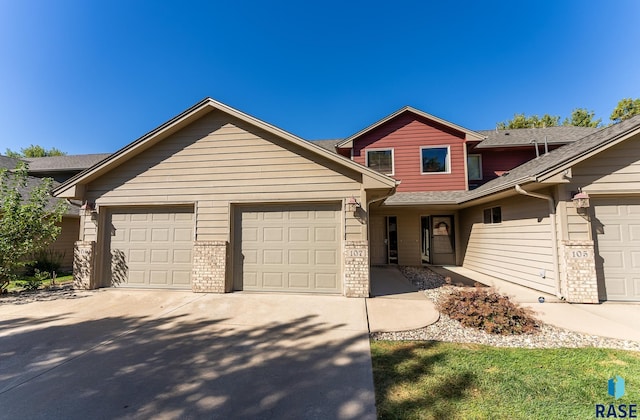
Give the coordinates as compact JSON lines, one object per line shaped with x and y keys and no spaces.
{"x":17,"y":285}
{"x":433,"y":380}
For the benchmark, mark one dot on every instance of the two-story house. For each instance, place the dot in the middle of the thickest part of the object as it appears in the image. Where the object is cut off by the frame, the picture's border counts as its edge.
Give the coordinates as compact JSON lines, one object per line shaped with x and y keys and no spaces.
{"x":216,"y":200}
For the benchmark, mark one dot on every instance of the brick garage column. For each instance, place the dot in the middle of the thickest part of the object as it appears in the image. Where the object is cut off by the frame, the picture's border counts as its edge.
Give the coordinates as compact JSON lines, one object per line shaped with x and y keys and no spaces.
{"x":84,"y":257}
{"x":356,"y":269}
{"x":580,"y":269}
{"x":209,"y":266}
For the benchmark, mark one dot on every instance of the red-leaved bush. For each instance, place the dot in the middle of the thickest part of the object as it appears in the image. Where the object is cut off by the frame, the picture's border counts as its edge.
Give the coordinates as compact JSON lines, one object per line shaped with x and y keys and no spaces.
{"x":490,"y":311}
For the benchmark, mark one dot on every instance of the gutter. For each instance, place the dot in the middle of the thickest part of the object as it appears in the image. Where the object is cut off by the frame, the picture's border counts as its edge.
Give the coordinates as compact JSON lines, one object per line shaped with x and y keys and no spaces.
{"x":554,"y":234}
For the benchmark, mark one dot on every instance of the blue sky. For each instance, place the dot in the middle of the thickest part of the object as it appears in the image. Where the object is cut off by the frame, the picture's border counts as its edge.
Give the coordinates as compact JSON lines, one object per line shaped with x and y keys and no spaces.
{"x":89,"y":76}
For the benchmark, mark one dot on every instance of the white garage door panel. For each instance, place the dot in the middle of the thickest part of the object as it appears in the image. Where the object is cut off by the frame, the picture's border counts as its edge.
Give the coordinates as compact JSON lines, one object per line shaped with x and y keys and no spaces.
{"x":618,"y":236}
{"x":289,"y":248}
{"x":151,"y":247}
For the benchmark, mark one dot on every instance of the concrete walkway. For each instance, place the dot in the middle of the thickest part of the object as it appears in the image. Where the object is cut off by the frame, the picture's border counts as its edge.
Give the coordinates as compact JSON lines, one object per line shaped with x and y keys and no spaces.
{"x":610,"y":319}
{"x":396,"y":304}
{"x":165,"y":354}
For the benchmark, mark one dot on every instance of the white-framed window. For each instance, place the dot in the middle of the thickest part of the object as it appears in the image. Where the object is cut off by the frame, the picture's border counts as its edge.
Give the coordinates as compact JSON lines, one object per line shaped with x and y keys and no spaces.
{"x":380,"y":160}
{"x":474,"y":167}
{"x":435,"y":160}
{"x":492,"y":215}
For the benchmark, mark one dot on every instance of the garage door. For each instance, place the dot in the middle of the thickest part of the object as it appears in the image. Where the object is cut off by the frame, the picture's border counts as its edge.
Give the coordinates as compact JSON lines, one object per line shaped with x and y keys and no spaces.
{"x":288,"y":248}
{"x":151,"y":247}
{"x":617,"y":227}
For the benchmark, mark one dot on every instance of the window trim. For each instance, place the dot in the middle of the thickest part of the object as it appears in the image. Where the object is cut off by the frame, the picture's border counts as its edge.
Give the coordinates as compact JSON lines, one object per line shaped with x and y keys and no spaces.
{"x":381,"y":149}
{"x":479,"y":166}
{"x":491,"y":216}
{"x":447,"y":163}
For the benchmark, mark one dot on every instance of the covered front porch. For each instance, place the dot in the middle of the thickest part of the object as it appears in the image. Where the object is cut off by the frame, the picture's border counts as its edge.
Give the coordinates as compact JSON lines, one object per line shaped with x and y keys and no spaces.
{"x":414,"y":235}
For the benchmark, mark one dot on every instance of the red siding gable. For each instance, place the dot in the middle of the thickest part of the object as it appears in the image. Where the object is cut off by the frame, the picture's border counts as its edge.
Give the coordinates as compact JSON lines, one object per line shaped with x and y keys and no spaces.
{"x":406,"y":134}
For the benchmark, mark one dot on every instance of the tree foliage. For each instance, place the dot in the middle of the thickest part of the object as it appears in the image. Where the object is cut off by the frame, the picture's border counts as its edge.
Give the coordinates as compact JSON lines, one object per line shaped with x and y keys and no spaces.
{"x":531,"y":121}
{"x":625,"y":109}
{"x":27,"y":224}
{"x":34,"y":151}
{"x":581,"y":117}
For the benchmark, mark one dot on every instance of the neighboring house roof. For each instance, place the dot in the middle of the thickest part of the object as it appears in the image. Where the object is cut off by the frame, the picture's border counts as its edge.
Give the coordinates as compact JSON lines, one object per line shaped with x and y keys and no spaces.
{"x":526,"y":136}
{"x":469,"y":134}
{"x":65,"y":163}
{"x":327,"y":144}
{"x":72,"y":187}
{"x":73,"y":209}
{"x":8,"y":163}
{"x":535,"y":170}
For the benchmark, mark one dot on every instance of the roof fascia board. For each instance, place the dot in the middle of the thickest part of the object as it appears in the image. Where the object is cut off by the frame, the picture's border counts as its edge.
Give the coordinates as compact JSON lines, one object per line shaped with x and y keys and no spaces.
{"x":201,"y":108}
{"x":469,"y":134}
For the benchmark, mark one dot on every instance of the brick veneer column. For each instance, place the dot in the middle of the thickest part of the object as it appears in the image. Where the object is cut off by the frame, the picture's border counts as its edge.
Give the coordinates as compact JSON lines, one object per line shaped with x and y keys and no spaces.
{"x":209,"y":266}
{"x":580,"y":269}
{"x":356,"y":269}
{"x":84,"y":256}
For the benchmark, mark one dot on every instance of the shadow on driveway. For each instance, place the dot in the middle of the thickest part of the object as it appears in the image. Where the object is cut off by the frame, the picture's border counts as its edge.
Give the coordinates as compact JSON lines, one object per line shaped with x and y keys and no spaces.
{"x":181,"y":366}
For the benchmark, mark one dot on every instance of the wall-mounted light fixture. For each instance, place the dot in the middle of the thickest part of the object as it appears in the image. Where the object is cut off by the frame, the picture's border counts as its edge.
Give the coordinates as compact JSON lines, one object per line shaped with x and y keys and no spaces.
{"x":581,"y":200}
{"x":91,"y":209}
{"x":352,"y":204}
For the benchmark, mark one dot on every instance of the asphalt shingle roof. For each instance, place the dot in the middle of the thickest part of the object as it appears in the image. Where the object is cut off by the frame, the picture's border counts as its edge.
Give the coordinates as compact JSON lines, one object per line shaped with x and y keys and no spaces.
{"x":525,"y":136}
{"x":65,"y":163}
{"x":8,"y":163}
{"x":330,"y":145}
{"x":430,"y":197}
{"x":560,"y":156}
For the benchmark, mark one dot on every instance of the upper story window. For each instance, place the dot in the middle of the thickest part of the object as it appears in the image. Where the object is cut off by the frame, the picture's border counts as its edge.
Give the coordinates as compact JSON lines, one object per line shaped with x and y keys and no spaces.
{"x":435,"y":160}
{"x":474,"y":167}
{"x":380,"y":160}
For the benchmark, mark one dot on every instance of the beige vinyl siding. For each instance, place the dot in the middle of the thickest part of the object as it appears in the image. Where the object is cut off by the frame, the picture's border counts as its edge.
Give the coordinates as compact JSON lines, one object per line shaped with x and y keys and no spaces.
{"x":219,"y":160}
{"x":516,"y":250}
{"x":65,"y":242}
{"x":614,"y":170}
{"x":88,"y":228}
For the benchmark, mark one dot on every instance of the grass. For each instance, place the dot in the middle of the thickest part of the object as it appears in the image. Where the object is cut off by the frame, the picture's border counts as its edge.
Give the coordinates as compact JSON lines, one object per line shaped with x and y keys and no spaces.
{"x":17,"y":285}
{"x":434,"y":380}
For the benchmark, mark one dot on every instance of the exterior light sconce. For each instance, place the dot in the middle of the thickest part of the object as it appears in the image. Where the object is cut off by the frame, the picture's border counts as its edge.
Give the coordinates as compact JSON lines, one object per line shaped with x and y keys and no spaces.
{"x":91,"y":208}
{"x":581,"y":200}
{"x":352,"y":205}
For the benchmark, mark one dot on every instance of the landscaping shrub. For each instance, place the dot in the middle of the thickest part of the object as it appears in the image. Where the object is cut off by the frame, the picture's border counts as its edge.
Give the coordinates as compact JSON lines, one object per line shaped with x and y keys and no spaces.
{"x":34,"y":283}
{"x":490,"y":311}
{"x":46,"y":260}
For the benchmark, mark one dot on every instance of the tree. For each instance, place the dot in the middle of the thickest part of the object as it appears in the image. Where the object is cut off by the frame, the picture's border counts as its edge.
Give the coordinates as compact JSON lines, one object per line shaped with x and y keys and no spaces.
{"x":27,"y":224}
{"x":581,"y":117}
{"x":532,"y":121}
{"x":34,"y":151}
{"x":625,"y":109}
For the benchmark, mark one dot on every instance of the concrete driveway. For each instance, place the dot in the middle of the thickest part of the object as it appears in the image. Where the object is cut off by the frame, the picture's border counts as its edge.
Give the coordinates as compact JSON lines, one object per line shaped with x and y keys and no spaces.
{"x":145,"y":354}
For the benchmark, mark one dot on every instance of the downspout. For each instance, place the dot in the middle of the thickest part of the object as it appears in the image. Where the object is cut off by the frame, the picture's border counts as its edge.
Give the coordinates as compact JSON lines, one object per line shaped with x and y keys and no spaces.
{"x":554,"y":234}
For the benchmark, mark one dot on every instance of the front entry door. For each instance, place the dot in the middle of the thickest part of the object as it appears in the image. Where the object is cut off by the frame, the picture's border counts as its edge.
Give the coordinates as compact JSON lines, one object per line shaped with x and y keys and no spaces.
{"x":442,"y":241}
{"x":391,"y":239}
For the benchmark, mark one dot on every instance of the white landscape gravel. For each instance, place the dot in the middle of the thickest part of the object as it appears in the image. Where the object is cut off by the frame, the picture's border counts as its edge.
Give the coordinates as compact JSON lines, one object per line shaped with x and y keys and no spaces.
{"x":446,"y":329}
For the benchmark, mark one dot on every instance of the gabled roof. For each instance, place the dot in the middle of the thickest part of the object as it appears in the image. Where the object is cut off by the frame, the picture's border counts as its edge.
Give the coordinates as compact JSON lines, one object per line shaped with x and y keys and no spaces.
{"x":65,"y":163}
{"x":68,"y":188}
{"x":526,"y":136}
{"x":535,"y":170}
{"x":469,"y":134}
